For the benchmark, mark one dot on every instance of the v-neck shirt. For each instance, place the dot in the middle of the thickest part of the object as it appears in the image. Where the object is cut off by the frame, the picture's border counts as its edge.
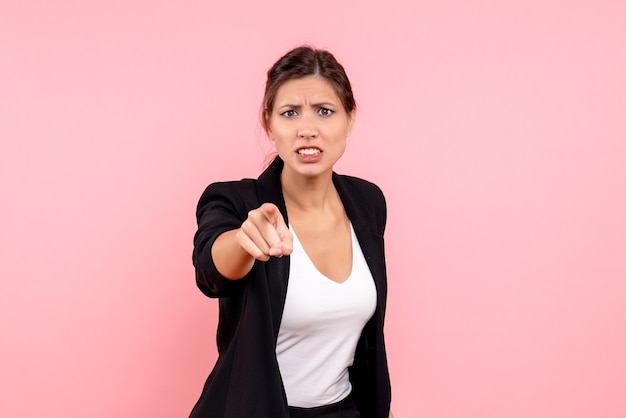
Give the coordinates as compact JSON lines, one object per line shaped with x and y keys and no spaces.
{"x":321,"y":324}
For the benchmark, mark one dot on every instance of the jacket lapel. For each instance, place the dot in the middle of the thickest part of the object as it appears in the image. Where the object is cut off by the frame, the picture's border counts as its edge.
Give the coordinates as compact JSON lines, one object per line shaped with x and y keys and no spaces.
{"x":269,"y":190}
{"x":370,"y":239}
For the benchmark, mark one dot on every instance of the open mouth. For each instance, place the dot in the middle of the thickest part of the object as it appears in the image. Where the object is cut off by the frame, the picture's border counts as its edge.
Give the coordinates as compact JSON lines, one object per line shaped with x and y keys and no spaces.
{"x":309,"y":151}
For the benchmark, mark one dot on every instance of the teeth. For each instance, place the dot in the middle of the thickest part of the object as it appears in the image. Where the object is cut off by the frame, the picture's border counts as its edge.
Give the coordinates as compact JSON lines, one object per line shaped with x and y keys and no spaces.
{"x":308,"y":151}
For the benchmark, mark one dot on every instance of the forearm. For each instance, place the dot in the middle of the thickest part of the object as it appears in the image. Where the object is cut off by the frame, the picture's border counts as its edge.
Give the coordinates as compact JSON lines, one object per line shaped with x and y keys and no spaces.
{"x":229,"y":258}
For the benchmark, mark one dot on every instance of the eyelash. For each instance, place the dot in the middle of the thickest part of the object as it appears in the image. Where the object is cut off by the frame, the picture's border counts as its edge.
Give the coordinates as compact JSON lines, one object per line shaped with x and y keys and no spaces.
{"x":322,"y":111}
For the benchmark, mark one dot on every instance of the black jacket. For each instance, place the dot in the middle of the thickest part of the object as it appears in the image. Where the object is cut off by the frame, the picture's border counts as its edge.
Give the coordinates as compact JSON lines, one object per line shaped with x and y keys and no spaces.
{"x":246,"y":381}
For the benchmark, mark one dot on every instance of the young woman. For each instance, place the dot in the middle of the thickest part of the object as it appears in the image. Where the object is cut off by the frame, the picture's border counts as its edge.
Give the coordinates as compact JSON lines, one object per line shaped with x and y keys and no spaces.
{"x":296,"y":258}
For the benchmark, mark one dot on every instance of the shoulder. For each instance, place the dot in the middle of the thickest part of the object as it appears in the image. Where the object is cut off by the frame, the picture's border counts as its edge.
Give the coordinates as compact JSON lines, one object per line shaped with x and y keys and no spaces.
{"x":361,"y":188}
{"x":364,"y":202}
{"x":239,"y":188}
{"x":239,"y":195}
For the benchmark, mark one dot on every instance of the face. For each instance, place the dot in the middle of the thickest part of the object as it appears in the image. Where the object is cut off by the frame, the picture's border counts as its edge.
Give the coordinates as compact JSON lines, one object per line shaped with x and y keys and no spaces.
{"x":309,"y":126}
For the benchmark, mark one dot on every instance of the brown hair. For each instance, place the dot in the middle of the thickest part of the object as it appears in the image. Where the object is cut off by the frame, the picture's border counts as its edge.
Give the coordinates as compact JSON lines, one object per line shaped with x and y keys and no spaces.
{"x":301,"y":62}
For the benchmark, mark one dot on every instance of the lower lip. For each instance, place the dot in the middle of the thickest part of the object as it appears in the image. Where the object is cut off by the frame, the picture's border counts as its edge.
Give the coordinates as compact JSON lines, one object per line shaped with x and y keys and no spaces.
{"x":309,"y":158}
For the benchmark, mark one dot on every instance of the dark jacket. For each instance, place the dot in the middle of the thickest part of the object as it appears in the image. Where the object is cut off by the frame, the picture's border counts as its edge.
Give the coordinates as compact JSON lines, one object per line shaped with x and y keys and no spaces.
{"x":246,"y":381}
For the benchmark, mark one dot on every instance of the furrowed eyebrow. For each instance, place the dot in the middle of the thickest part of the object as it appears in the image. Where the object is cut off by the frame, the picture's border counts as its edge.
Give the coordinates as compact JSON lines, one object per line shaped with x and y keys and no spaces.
{"x":298,"y":107}
{"x":289,"y":106}
{"x":324,"y":104}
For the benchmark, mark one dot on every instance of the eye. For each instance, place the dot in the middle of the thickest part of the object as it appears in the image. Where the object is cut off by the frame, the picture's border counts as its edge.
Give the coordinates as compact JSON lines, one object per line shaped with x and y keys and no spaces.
{"x":289,"y":113}
{"x":325,"y":112}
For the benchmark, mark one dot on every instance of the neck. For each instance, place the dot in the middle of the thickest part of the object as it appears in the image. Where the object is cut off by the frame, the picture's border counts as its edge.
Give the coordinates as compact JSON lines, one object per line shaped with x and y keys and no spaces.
{"x":308,"y":193}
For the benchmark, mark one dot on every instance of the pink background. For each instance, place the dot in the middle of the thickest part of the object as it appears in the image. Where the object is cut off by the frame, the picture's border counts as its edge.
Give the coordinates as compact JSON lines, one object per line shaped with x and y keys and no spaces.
{"x":497,"y":131}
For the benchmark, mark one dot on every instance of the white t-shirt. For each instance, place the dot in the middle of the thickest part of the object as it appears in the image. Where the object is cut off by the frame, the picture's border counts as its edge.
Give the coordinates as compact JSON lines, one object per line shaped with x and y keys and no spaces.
{"x":321,"y":325}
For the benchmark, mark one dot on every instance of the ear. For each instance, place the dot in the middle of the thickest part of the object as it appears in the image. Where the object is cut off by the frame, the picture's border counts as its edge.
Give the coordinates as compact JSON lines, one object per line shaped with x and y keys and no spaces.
{"x":351,"y":119}
{"x":265,"y":122}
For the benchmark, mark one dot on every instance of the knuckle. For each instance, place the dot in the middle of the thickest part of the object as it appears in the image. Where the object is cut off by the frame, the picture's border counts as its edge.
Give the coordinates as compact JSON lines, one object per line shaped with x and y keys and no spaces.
{"x":245,"y":227}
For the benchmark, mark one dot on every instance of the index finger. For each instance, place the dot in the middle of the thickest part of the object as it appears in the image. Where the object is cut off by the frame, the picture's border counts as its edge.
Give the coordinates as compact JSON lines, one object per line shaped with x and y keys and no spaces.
{"x":271,"y":213}
{"x":283,"y":243}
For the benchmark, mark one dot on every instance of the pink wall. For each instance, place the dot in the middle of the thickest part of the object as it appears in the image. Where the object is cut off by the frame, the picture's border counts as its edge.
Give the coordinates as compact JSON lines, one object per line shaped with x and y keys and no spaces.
{"x":498,"y":133}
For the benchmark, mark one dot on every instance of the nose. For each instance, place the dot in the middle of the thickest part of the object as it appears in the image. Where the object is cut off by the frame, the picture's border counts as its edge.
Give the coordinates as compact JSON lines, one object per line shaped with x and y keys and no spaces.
{"x":307,"y":128}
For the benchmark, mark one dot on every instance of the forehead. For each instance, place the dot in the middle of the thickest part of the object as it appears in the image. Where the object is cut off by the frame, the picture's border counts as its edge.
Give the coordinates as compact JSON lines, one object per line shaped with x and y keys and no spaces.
{"x":312,"y":88}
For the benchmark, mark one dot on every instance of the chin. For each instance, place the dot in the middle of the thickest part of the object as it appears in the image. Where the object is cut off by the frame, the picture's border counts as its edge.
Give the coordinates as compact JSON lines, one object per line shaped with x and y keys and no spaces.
{"x":310,"y":170}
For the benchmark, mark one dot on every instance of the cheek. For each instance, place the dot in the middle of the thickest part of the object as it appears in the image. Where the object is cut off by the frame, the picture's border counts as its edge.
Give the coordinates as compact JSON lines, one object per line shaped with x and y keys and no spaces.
{"x":339,"y":132}
{"x":283,"y":132}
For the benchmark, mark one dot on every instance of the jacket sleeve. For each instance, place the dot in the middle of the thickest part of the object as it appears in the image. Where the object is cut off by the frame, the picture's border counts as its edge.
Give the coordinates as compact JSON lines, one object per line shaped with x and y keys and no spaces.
{"x":222,"y":207}
{"x":381,"y":210}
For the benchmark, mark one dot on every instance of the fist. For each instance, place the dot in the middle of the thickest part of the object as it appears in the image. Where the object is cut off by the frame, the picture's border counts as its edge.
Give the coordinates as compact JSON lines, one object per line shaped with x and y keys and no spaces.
{"x":264,"y":233}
